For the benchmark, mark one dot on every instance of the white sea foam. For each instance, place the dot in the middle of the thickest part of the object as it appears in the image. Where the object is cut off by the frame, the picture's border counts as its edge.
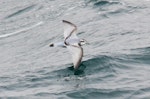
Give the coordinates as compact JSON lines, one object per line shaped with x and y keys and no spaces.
{"x":21,"y":30}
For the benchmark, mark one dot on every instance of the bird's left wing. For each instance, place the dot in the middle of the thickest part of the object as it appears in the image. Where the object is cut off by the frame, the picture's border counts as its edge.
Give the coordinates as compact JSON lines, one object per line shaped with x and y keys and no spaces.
{"x":69,"y":30}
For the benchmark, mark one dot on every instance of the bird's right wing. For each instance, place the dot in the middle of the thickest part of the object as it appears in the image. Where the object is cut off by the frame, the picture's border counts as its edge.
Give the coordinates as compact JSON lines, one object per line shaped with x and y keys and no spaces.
{"x":77,"y":54}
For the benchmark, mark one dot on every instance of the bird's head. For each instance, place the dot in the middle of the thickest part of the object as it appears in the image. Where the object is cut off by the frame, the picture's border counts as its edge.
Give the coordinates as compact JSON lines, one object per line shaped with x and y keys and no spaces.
{"x":83,"y":42}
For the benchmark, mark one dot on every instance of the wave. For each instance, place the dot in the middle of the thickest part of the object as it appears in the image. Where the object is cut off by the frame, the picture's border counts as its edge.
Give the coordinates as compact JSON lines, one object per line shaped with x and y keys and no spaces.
{"x":105,"y":64}
{"x":89,"y":93}
{"x":20,"y":11}
{"x":102,"y":3}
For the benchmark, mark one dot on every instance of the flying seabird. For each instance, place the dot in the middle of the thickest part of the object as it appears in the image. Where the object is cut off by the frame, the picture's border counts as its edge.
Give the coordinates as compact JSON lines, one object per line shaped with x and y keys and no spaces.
{"x":72,"y":43}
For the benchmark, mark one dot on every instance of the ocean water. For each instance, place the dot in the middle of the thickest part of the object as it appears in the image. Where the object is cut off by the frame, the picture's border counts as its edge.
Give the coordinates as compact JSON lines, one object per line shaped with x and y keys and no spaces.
{"x":117,"y":59}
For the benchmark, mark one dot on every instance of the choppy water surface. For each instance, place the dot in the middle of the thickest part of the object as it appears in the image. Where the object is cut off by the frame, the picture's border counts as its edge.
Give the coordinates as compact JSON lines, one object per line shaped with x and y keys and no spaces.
{"x":117,"y":60}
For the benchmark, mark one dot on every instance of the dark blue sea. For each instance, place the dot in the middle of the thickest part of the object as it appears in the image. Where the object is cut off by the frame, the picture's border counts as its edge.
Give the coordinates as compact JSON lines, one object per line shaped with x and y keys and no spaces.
{"x":117,"y":59}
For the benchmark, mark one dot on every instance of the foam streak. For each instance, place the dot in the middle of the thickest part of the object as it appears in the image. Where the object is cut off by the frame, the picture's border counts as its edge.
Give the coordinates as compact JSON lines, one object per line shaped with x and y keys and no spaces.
{"x":21,"y":30}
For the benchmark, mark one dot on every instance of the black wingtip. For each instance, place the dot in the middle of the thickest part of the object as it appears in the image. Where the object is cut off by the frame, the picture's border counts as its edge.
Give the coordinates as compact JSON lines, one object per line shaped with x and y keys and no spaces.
{"x":63,"y":20}
{"x":69,"y":23}
{"x":66,"y":21}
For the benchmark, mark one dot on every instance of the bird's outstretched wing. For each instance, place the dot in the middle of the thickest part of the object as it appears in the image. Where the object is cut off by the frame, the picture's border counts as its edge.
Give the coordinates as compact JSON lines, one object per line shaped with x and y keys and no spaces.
{"x":72,"y":43}
{"x":69,"y":30}
{"x":77,"y":54}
